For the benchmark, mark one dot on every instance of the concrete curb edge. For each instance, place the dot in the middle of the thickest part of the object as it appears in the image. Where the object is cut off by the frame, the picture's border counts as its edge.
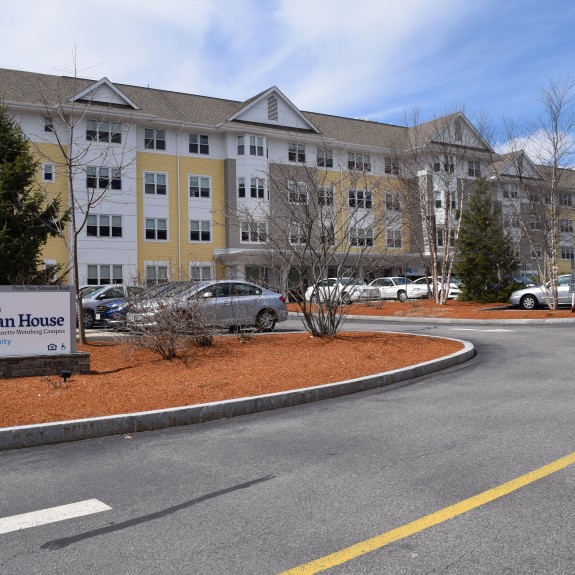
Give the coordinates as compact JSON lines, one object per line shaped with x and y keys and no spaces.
{"x":80,"y":429}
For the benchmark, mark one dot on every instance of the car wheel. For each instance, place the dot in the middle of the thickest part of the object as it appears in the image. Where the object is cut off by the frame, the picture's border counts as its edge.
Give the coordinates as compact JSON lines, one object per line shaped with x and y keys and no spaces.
{"x":266,"y":320}
{"x":345,"y":298}
{"x":89,"y":318}
{"x":529,"y":302}
{"x":314,"y":298}
{"x":402,"y":295}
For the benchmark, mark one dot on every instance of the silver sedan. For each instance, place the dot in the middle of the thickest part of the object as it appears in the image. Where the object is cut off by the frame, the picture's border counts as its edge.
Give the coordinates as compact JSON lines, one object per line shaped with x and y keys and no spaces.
{"x":537,"y":296}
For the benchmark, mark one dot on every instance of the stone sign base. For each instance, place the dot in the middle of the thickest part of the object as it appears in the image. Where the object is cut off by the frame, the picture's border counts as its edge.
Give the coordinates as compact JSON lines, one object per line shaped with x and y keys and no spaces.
{"x":30,"y":365}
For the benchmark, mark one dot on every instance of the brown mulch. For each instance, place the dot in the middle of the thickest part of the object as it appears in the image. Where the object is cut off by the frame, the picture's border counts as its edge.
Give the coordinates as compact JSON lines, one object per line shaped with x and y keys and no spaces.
{"x":124,"y":380}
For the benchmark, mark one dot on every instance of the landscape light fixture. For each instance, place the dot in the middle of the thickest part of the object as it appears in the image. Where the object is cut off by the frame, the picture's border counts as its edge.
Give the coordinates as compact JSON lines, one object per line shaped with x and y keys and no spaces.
{"x":65,"y":374}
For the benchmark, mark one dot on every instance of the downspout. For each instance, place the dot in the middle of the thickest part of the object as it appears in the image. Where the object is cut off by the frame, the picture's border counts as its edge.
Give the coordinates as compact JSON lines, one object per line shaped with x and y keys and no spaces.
{"x":179,"y":207}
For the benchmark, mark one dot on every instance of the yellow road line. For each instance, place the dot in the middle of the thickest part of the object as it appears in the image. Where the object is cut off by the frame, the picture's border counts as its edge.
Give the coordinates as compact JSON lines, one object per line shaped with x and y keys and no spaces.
{"x":379,"y":541}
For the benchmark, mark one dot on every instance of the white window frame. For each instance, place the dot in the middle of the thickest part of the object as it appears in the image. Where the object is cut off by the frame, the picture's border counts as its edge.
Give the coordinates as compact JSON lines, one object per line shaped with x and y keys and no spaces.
{"x":296,"y":153}
{"x":359,"y":161}
{"x":253,"y":232}
{"x":48,"y":173}
{"x":153,"y":138}
{"x":202,"y":187}
{"x":203,"y":227}
{"x":392,"y":202}
{"x":391,"y":166}
{"x":161,"y":273}
{"x":297,"y":192}
{"x":201,"y":271}
{"x":567,"y":252}
{"x":159,"y":188}
{"x":325,"y":158}
{"x":394,"y":239}
{"x":360,"y":199}
{"x":474,"y":169}
{"x":325,"y":196}
{"x":104,"y":177}
{"x":258,"y":188}
{"x":201,"y":144}
{"x":361,"y":237}
{"x":257,"y":146}
{"x":114,"y":275}
{"x":100,"y":223}
{"x":297,"y":235}
{"x":160,"y":225}
{"x":103,"y":131}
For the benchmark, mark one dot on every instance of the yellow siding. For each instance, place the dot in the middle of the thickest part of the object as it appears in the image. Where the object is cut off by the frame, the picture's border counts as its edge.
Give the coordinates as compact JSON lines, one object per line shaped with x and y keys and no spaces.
{"x":55,"y":248}
{"x":178,"y":251}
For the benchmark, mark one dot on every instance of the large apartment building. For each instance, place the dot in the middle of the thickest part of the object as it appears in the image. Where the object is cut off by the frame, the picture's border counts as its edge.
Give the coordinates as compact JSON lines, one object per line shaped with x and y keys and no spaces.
{"x":170,"y":185}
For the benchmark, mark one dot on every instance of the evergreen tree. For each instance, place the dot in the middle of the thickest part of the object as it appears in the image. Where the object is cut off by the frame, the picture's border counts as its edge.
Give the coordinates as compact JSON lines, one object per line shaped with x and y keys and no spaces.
{"x":486,"y":253}
{"x":27,"y":218}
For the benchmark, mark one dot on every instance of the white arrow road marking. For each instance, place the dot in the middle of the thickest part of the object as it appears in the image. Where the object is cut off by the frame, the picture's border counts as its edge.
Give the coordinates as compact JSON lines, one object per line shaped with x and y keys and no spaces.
{"x":51,"y":515}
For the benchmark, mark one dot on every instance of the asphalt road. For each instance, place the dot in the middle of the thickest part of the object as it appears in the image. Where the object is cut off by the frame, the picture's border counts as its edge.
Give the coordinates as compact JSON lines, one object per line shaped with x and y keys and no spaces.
{"x":266,"y":493}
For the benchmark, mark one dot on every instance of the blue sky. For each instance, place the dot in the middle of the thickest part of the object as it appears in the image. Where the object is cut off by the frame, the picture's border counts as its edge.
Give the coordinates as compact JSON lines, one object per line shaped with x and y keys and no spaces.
{"x":373,"y":59}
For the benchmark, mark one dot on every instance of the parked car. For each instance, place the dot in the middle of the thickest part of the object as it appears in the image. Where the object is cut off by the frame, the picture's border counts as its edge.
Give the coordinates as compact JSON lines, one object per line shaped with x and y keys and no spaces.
{"x":219,"y":303}
{"x":113,"y":313}
{"x":94,"y":296}
{"x":534,"y":296}
{"x":454,"y":285}
{"x":397,"y":287}
{"x":341,"y":290}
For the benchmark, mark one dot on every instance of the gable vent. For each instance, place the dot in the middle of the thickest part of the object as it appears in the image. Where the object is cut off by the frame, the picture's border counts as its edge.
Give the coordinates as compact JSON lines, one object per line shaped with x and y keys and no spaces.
{"x":272,"y":108}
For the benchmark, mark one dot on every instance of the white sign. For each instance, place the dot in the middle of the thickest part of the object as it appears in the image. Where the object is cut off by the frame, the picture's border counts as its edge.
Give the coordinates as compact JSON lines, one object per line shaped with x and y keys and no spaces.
{"x":37,"y":320}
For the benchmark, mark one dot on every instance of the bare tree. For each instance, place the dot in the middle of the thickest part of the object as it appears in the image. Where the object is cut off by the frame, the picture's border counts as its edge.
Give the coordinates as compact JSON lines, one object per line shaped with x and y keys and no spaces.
{"x":92,"y":152}
{"x":440,"y":161}
{"x":542,"y":205}
{"x":319,"y":223}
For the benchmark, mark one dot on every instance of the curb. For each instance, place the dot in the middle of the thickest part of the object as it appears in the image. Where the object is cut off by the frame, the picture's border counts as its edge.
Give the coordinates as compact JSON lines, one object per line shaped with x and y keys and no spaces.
{"x":446,"y":320}
{"x":80,"y":429}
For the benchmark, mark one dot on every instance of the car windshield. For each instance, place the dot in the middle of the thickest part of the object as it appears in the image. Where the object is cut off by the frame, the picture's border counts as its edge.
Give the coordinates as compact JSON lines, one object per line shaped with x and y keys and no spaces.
{"x":91,"y":291}
{"x":402,"y":281}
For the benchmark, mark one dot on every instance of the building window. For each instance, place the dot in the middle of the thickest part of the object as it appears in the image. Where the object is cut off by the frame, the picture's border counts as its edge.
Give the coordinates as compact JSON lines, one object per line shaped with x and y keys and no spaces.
{"x":154,"y":139}
{"x":360,"y":199}
{"x":48,"y":125}
{"x":566,"y":226}
{"x":392,"y":166}
{"x":474,"y":169}
{"x":438,"y":199}
{"x":103,"y":178}
{"x":360,"y":162}
{"x":199,"y":187}
{"x":199,"y":144}
{"x":325,"y":158}
{"x":156,"y":274}
{"x":48,"y":173}
{"x":566,"y":252}
{"x":297,"y":192}
{"x":297,"y":234}
{"x":156,"y":229}
{"x":103,"y":226}
{"x":104,"y":131}
{"x":104,"y":274}
{"x":200,"y":231}
{"x":327,"y":236}
{"x":253,"y":232}
{"x":441,"y":237}
{"x":361,"y":237}
{"x":241,"y":187}
{"x":325,"y":196}
{"x":241,"y":145}
{"x":257,"y":188}
{"x":200,"y":273}
{"x":510,"y":191}
{"x":256,"y":146}
{"x":392,"y":201}
{"x":393,"y":239}
{"x":565,"y":200}
{"x":535,"y":224}
{"x":272,"y":108}
{"x":536,"y":252}
{"x":155,"y":184}
{"x":296,"y":153}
